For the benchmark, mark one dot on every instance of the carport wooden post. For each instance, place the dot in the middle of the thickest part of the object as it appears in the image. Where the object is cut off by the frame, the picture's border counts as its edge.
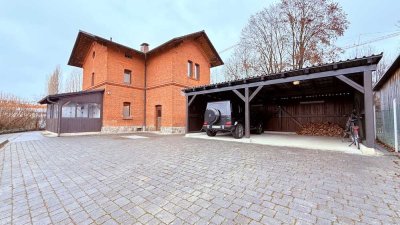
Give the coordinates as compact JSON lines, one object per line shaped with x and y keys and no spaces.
{"x":188,"y":103}
{"x":369,"y":109}
{"x":247,"y":99}
{"x":59,"y":106}
{"x":247,"y":112}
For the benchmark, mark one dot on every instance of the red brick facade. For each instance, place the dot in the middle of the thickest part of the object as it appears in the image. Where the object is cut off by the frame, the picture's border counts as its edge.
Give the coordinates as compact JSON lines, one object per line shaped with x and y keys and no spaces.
{"x":157,"y":78}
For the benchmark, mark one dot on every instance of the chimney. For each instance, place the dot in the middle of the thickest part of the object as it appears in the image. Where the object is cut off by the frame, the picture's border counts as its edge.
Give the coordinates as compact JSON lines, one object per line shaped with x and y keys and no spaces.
{"x":144,"y":47}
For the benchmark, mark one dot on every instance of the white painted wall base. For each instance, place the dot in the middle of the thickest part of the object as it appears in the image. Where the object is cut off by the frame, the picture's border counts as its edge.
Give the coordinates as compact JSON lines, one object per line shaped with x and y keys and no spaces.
{"x":368,"y":151}
{"x":120,"y":129}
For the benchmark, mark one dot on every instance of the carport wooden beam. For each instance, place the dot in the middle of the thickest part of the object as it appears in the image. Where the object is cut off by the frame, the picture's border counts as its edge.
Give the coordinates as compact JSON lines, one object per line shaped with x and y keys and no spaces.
{"x":191,"y":100}
{"x":246,"y":98}
{"x":255,"y":92}
{"x":239,"y":95}
{"x":351,"y":83}
{"x":188,"y":103}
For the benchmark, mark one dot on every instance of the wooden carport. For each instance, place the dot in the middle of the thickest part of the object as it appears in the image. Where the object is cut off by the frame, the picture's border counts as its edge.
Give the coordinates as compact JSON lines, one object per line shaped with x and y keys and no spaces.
{"x":351,"y":76}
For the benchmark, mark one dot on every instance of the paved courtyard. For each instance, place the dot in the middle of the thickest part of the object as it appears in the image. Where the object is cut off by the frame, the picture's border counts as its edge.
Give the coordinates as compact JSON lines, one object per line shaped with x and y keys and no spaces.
{"x":176,"y":180}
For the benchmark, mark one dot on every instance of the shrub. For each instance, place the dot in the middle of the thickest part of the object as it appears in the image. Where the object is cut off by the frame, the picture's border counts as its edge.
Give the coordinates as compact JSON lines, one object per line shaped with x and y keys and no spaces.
{"x":19,"y":115}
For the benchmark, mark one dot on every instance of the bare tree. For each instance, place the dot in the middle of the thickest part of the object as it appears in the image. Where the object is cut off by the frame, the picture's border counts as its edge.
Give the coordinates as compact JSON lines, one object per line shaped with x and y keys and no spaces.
{"x":367,"y":51}
{"x":265,"y":38}
{"x":313,"y":27}
{"x":54,"y":81}
{"x":73,"y":82}
{"x":292,"y":34}
{"x":380,"y":69}
{"x":240,"y":65}
{"x":358,"y":52}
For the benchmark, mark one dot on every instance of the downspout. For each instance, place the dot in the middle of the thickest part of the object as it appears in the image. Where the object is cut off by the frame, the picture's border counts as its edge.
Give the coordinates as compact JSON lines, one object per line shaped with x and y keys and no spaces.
{"x":145,"y":91}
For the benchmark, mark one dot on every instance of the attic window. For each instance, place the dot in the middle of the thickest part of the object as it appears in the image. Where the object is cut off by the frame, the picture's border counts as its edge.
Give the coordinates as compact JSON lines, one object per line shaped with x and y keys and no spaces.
{"x":190,"y":69}
{"x":196,"y":71}
{"x":127,"y":55}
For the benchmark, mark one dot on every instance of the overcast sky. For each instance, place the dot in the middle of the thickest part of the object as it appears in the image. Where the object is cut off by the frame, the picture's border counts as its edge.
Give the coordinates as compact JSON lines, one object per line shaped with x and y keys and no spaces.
{"x":36,"y":36}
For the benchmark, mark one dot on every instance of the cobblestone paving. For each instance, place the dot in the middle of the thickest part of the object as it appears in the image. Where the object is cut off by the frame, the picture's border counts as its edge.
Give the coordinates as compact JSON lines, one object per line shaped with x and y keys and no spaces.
{"x":177,"y":180}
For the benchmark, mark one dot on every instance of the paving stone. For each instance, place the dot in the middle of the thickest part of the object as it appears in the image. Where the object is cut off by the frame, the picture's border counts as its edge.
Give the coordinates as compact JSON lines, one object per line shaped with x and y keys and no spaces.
{"x":165,"y":217}
{"x":122,"y":201}
{"x":217,"y":219}
{"x":226,"y":213}
{"x":175,"y":180}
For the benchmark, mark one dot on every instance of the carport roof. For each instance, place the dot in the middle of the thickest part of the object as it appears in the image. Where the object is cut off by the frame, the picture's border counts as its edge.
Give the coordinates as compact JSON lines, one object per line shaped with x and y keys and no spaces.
{"x":346,"y":64}
{"x":389,"y":73}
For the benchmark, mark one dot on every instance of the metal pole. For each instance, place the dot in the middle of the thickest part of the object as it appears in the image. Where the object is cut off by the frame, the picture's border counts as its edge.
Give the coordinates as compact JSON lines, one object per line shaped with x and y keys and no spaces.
{"x":375,"y":121}
{"x":247,"y":112}
{"x":396,"y":141}
{"x":368,"y":108}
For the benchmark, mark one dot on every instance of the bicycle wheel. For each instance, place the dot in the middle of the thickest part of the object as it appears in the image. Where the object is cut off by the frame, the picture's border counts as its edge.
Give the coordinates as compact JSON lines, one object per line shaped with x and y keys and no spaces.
{"x":357,"y":141}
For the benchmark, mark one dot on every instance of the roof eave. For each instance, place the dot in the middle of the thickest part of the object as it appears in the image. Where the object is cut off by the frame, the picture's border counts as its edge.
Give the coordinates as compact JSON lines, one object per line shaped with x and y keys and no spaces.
{"x":56,"y":97}
{"x":389,"y":72}
{"x":95,"y":38}
{"x":181,"y":38}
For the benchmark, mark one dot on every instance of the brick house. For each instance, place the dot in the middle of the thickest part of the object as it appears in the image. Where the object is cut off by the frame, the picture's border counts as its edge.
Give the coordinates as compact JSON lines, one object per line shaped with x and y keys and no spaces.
{"x":139,"y":90}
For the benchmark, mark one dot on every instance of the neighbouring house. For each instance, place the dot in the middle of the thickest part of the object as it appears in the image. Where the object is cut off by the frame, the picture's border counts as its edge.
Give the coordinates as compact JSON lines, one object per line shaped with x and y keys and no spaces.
{"x":128,"y":90}
{"x":387,"y":106}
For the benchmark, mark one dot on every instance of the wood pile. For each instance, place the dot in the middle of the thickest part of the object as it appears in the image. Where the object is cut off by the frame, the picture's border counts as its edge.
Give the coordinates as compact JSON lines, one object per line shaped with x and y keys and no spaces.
{"x":321,"y":129}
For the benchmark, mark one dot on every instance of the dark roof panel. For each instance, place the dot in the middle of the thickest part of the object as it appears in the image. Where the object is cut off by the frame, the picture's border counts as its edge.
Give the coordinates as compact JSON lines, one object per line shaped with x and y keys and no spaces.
{"x":392,"y":69}
{"x":56,"y":97}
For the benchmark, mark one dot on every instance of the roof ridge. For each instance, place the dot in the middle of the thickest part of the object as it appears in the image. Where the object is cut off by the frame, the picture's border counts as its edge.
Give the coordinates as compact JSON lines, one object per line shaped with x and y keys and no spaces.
{"x":102,"y":39}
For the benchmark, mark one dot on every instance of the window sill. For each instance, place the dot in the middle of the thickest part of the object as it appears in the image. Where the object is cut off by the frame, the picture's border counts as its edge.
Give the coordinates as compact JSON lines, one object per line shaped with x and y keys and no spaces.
{"x":127,"y":118}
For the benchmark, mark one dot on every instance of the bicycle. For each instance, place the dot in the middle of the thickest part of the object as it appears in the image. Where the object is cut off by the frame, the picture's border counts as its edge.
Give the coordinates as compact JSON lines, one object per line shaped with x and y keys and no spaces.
{"x":352,"y":130}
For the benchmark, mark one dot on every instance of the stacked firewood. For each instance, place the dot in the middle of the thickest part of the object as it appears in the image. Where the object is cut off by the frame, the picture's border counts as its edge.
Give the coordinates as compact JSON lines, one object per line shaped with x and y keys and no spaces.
{"x":321,"y":129}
